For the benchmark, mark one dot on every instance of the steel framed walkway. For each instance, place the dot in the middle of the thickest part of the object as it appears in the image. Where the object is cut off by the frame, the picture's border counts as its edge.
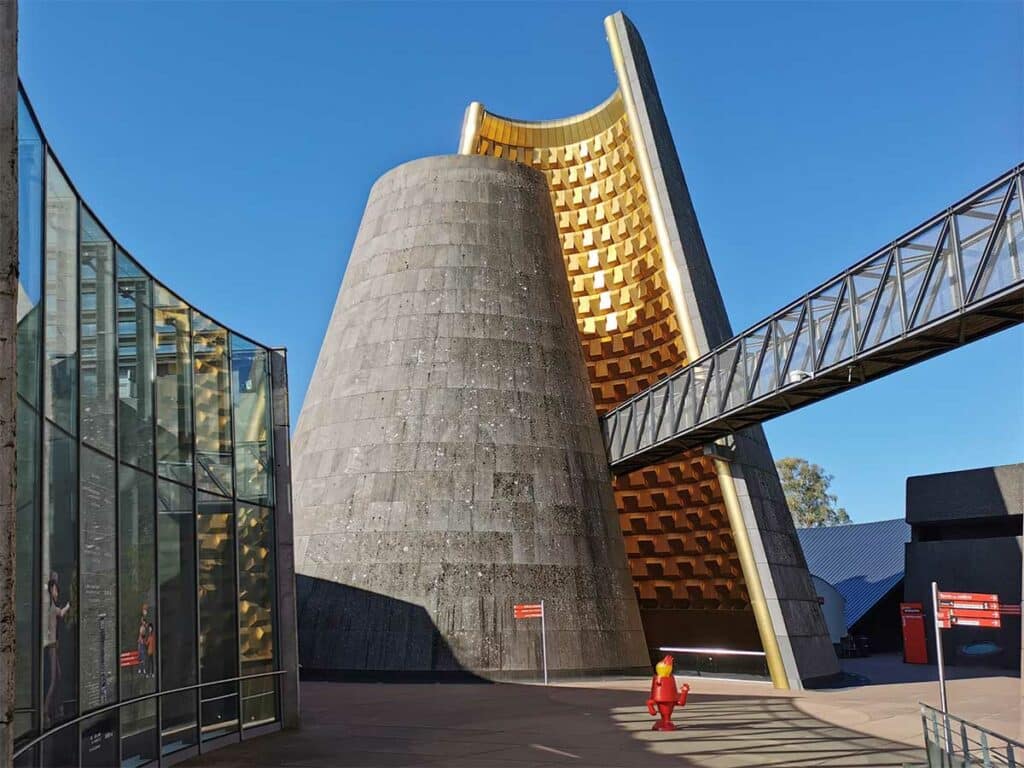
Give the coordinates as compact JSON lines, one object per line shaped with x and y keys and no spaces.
{"x":952,"y":280}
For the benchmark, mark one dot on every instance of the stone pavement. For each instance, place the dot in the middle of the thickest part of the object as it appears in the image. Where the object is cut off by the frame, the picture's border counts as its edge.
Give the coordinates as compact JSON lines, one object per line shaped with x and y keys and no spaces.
{"x":598,"y":723}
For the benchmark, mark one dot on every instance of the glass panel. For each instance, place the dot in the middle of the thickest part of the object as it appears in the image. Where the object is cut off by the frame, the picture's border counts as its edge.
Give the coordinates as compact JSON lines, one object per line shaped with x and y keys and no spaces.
{"x":974,"y":226}
{"x":97,"y":335}
{"x":61,"y":299}
{"x":138,"y":733}
{"x":60,"y":565}
{"x":941,"y":295}
{"x":28,"y":590}
{"x":786,"y":327}
{"x":218,"y":627}
{"x":677,"y":388}
{"x":259,"y":701}
{"x":766,"y":374}
{"x":694,"y":392}
{"x":213,"y":406}
{"x":840,"y":343}
{"x":177,"y":564}
{"x":30,"y":253}
{"x":823,"y":306}
{"x":887,"y":321}
{"x":98,"y":684}
{"x":99,"y":740}
{"x":706,"y":392}
{"x":866,"y":282}
{"x":801,"y":364}
{"x":915,"y":257}
{"x":753,"y":346}
{"x":256,"y":588}
{"x":1004,"y":263}
{"x":725,"y":361}
{"x":173,"y":387}
{"x":180,"y":727}
{"x":135,"y":363}
{"x":136,"y":571}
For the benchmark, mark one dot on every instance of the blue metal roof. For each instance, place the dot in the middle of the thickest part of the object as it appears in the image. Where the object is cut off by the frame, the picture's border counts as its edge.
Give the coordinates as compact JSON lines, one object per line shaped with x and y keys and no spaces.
{"x":862,"y":561}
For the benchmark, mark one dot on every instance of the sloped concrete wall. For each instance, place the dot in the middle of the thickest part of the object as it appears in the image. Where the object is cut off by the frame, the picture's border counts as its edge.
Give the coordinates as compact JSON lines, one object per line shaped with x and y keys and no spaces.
{"x":792,"y":603}
{"x":448,"y":461}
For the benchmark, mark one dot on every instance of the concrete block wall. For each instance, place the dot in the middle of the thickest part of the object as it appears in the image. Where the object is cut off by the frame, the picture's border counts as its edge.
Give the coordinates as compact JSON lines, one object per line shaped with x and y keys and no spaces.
{"x":448,"y":462}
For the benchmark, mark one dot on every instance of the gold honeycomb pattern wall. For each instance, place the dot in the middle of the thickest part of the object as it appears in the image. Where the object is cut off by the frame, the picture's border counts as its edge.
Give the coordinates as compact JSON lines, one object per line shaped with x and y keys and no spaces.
{"x":680,"y":547}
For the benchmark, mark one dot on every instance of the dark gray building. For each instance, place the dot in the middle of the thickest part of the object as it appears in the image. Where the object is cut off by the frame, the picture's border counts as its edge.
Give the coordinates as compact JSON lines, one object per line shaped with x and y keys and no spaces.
{"x":966,"y":535}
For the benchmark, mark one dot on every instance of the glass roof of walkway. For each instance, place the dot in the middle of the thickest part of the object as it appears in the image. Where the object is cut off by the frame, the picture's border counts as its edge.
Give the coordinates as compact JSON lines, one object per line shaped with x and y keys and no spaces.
{"x":954,"y":279}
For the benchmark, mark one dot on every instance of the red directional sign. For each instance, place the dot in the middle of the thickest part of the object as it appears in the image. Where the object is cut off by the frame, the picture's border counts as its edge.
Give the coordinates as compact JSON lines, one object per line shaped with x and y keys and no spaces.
{"x":528,"y":610}
{"x":968,"y":613}
{"x":968,"y":597}
{"x":955,"y":621}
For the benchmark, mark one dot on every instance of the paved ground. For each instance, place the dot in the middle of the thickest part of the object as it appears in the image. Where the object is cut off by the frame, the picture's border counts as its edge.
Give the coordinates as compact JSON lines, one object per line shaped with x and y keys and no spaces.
{"x":601,"y":724}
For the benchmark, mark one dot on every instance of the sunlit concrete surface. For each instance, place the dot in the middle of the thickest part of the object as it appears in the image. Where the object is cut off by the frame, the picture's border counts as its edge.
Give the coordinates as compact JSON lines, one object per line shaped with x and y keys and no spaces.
{"x":601,"y":723}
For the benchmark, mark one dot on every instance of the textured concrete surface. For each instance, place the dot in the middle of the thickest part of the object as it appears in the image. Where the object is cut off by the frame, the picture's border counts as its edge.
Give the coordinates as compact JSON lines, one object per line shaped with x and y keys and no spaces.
{"x":8,"y":333}
{"x":594,"y":724}
{"x":448,"y":462}
{"x":792,"y":602}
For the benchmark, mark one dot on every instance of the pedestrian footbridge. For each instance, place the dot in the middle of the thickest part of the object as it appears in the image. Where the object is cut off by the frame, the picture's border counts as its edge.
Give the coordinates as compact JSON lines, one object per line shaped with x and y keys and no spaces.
{"x":952,"y":280}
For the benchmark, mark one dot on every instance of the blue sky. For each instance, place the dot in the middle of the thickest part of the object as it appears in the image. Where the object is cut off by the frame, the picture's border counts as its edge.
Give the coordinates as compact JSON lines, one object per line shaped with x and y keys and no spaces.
{"x":231,"y":146}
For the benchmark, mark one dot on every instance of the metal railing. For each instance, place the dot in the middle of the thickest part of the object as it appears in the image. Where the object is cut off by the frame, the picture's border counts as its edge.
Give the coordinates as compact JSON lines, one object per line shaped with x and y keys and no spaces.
{"x":952,"y":742}
{"x":718,"y":662}
{"x":955,"y":278}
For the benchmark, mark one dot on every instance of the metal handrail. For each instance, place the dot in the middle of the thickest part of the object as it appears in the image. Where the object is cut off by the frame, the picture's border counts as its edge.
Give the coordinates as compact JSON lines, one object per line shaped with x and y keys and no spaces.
{"x":146,"y":697}
{"x":952,"y":742}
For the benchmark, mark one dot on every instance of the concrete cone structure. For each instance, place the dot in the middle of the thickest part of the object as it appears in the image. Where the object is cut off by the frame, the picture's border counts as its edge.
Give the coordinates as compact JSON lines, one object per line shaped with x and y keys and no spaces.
{"x":448,"y":461}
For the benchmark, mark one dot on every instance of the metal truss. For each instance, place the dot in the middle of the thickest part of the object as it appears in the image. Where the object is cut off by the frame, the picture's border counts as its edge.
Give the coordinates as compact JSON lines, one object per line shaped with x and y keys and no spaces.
{"x":954,"y":279}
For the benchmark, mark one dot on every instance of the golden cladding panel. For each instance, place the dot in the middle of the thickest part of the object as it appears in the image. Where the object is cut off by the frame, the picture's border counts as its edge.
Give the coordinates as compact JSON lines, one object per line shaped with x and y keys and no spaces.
{"x":680,"y":547}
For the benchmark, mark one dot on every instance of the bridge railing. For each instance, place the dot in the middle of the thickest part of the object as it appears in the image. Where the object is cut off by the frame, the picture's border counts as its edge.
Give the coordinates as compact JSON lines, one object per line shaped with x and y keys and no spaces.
{"x":903,"y":303}
{"x":952,"y":742}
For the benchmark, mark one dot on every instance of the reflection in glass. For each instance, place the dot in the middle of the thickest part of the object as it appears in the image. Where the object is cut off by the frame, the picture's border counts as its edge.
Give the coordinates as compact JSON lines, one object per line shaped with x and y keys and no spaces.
{"x":1006,"y":255}
{"x":173,"y":386}
{"x":61,"y":299}
{"x":177,"y":638}
{"x":97,"y":335}
{"x":250,"y":389}
{"x":256,"y":611}
{"x":840,"y":342}
{"x":98,"y":684}
{"x":30,"y":253}
{"x":218,"y":627}
{"x":138,"y":733}
{"x":213,"y":406}
{"x":136,"y":566}
{"x":135,"y":363}
{"x":941,"y":293}
{"x":60,"y":569}
{"x":27,"y":590}
{"x":974,"y":227}
{"x":99,"y":741}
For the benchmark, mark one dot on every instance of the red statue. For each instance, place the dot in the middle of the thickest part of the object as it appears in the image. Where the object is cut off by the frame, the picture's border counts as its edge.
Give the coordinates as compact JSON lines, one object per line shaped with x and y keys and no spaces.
{"x":665,"y":696}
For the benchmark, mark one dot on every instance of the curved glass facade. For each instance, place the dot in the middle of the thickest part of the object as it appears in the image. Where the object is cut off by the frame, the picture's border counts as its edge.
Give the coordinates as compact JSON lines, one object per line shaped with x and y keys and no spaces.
{"x":147,"y":558}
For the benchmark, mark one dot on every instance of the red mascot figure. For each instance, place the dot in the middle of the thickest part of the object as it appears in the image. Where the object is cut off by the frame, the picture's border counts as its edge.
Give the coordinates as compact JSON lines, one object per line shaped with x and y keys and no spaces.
{"x":665,"y":696}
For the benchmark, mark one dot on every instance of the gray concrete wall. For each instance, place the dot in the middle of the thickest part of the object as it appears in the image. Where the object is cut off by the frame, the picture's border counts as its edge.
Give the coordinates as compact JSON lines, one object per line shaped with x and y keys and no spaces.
{"x":448,"y":461}
{"x":8,"y":334}
{"x":968,"y":565}
{"x":288,"y":644}
{"x":793,"y":605}
{"x":989,"y":492}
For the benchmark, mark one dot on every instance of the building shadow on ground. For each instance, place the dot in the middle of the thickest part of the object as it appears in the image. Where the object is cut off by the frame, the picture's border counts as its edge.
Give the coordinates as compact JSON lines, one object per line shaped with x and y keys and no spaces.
{"x":741,"y":732}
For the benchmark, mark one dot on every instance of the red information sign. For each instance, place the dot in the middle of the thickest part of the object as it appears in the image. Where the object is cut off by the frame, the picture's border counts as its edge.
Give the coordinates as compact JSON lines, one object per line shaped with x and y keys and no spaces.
{"x":968,"y":597}
{"x":967,"y":613}
{"x":130,"y":659}
{"x":528,"y":610}
{"x":956,"y":621}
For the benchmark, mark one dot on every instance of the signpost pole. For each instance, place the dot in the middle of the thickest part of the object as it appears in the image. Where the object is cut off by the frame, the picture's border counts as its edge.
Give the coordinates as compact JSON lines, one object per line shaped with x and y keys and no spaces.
{"x":942,"y":668}
{"x":544,"y":642}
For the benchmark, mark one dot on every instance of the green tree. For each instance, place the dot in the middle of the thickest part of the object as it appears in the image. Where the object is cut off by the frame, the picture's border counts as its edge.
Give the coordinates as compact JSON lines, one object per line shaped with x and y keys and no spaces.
{"x":807,"y":493}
